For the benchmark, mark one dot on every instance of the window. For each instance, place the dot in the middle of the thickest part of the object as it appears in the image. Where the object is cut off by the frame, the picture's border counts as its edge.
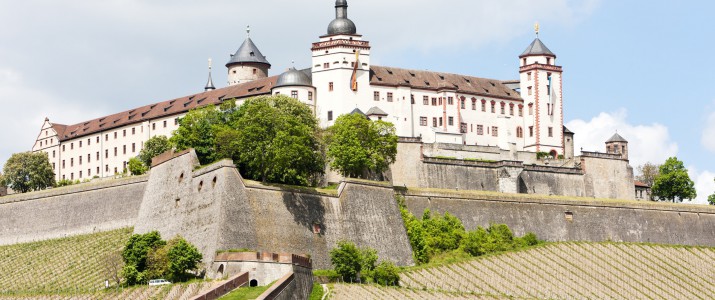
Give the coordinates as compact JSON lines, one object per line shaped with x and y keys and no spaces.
{"x":519,"y":132}
{"x":97,"y":170}
{"x":494,"y":107}
{"x":176,"y":122}
{"x":503,"y":106}
{"x":480,"y":129}
{"x":63,"y":148}
{"x":531,"y":109}
{"x":434,"y":122}
{"x":71,"y":162}
{"x":80,"y":174}
{"x":463,"y":103}
{"x":484,"y":105}
{"x":548,"y":61}
{"x":115,"y":170}
{"x":463,"y":127}
{"x":294,"y":94}
{"x":330,"y":115}
{"x":89,"y":172}
{"x":450,"y":100}
{"x":254,"y":71}
{"x":153,"y":127}
{"x":97,"y":139}
{"x":63,"y":164}
{"x":326,"y":65}
{"x":106,"y":137}
{"x":440,"y":121}
{"x":434,"y":101}
{"x":474,"y":104}
{"x":511,"y":109}
{"x":71,"y":176}
{"x":531,"y":131}
{"x":124,"y":149}
{"x":524,"y":61}
{"x":53,"y":153}
{"x":376,"y":96}
{"x":89,"y":158}
{"x":528,"y":76}
{"x":53,"y":166}
{"x":495,"y":131}
{"x":425,"y":100}
{"x":124,"y":132}
{"x":164,"y":123}
{"x":440,"y":101}
{"x":529,"y":91}
{"x":330,"y":86}
{"x":115,"y":151}
{"x":134,"y":147}
{"x":310,"y":96}
{"x":412,"y":98}
{"x":80,"y":144}
{"x":106,"y":153}
{"x":389,"y":97}
{"x":89,"y":142}
{"x":521,"y":110}
{"x":450,"y":121}
{"x":134,"y":130}
{"x":115,"y":135}
{"x":423,"y":121}
{"x":106,"y":168}
{"x":97,"y":157}
{"x":551,"y":132}
{"x":71,"y":146}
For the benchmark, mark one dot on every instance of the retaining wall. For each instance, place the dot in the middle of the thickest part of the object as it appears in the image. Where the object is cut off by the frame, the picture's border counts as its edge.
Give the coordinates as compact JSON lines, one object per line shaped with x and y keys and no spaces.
{"x":558,"y":219}
{"x":78,"y":209}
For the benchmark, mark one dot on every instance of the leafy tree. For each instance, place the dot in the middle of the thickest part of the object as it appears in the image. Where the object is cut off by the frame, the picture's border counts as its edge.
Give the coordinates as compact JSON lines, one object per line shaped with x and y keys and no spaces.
{"x":197,"y":129}
{"x":358,"y":147}
{"x":182,"y":257}
{"x":273,"y":139}
{"x":346,"y":260}
{"x":711,"y":198}
{"x":28,"y":171}
{"x":441,"y":233}
{"x":137,"y":167}
{"x":386,"y":273}
{"x":135,"y":255}
{"x":673,"y":183}
{"x":647,"y":173}
{"x":153,"y":147}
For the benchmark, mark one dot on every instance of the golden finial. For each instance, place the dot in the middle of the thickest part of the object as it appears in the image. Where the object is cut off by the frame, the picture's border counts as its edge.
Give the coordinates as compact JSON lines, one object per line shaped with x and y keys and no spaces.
{"x":536,"y":29}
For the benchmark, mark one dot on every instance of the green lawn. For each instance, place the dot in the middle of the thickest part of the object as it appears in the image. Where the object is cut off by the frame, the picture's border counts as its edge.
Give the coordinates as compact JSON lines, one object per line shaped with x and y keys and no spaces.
{"x":246,"y":293}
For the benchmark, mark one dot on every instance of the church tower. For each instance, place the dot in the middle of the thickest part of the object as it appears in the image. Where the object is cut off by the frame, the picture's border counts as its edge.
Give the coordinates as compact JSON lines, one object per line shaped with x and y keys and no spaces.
{"x":247,"y":64}
{"x":341,"y":67}
{"x":540,"y":83}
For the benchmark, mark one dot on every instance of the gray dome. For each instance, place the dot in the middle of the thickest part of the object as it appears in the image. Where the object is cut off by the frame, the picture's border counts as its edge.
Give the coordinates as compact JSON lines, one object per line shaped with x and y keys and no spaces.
{"x":293,"y":77}
{"x":248,"y":53}
{"x":342,"y":26}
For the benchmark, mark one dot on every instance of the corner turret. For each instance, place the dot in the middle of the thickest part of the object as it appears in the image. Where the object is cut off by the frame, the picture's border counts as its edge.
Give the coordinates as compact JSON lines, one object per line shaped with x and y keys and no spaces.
{"x":247,"y":64}
{"x":617,"y":145}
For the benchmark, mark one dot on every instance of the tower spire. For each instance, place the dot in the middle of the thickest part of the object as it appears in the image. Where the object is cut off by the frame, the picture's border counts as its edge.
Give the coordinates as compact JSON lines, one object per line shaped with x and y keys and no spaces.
{"x":248,"y":31}
{"x":210,"y":84}
{"x":536,"y":29}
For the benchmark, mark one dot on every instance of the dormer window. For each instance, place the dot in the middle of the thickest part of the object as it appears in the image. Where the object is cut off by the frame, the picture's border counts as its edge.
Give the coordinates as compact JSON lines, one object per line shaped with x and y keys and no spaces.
{"x":253,"y":54}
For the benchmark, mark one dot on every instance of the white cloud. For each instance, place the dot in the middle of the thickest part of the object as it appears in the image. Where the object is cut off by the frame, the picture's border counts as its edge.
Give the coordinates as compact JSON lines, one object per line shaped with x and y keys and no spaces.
{"x":704,"y":184}
{"x":646,"y":143}
{"x":708,"y":137}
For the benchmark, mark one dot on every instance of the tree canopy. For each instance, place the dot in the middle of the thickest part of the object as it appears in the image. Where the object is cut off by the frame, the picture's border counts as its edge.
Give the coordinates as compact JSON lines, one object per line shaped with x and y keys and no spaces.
{"x":361,"y":148}
{"x":28,"y":171}
{"x":197,"y":129}
{"x":147,"y":256}
{"x":673,"y":182}
{"x":711,"y":198}
{"x":272,"y":139}
{"x":152,"y":147}
{"x":647,"y":173}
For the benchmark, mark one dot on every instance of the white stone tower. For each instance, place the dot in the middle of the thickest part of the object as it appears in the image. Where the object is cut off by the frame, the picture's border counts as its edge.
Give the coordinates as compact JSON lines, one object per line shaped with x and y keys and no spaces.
{"x":341,"y":67}
{"x":540,"y":80}
{"x":247,"y":64}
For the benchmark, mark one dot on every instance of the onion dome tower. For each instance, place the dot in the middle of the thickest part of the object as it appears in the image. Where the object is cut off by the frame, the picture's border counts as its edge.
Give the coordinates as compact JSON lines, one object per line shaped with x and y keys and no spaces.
{"x":341,"y":24}
{"x":247,"y":64}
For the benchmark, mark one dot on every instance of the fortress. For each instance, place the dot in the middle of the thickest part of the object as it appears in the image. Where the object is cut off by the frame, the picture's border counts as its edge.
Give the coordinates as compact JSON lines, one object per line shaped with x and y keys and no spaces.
{"x":486,"y":150}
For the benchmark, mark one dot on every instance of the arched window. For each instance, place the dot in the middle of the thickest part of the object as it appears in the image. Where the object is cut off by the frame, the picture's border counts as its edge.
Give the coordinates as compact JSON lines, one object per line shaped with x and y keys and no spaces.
{"x":519,"y":132}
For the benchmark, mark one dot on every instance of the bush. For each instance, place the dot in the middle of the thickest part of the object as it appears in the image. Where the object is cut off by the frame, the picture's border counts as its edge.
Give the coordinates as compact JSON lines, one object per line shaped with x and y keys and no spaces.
{"x":474,"y":242}
{"x":346,"y":260}
{"x":147,"y":256}
{"x":182,"y":257}
{"x":441,"y":233}
{"x":137,"y":167}
{"x":500,"y":238}
{"x":386,"y":273}
{"x":64,"y":182}
{"x":529,"y":239}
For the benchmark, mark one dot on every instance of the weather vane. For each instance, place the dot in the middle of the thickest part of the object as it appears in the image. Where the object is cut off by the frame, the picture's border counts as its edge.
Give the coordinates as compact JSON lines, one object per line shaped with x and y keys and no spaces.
{"x":536,"y":29}
{"x":248,"y":30}
{"x":210,"y":63}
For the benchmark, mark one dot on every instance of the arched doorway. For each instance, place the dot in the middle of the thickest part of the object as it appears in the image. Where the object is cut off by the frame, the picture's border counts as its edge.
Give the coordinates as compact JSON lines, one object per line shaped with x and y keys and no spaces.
{"x":253,"y":283}
{"x":553,"y":154}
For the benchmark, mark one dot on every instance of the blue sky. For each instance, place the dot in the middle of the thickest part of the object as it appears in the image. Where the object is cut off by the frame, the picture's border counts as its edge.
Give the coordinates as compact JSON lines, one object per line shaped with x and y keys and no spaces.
{"x":639,"y":67}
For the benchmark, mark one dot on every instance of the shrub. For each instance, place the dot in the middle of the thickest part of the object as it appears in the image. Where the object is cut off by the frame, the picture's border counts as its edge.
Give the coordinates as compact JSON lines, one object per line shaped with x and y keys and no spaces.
{"x":182,"y":257}
{"x":64,"y":182}
{"x":137,"y":167}
{"x":441,"y":233}
{"x":386,"y":273}
{"x":346,"y":260}
{"x":529,"y":239}
{"x":474,"y":242}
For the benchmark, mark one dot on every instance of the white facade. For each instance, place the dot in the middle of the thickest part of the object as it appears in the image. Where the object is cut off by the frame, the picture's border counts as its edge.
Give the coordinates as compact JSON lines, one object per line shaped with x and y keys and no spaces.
{"x":438,"y":107}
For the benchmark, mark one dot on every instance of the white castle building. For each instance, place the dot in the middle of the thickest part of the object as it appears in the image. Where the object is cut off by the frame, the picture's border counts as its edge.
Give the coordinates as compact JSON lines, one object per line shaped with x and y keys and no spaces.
{"x":517,"y":115}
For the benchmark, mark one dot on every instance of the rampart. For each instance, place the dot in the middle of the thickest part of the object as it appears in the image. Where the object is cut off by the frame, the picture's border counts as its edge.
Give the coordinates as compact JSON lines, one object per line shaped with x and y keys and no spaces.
{"x":78,"y":209}
{"x":571,"y":218}
{"x":213,"y":208}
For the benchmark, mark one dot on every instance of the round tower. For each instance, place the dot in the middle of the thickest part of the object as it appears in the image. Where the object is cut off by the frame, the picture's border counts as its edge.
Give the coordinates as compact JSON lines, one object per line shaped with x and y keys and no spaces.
{"x":247,"y":64}
{"x":617,"y":145}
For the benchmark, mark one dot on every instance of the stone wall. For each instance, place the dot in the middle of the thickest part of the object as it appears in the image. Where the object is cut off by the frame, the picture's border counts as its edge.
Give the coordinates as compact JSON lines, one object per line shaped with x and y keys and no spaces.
{"x":212,"y":208}
{"x":72,"y":210}
{"x":559,"y":219}
{"x":607,"y":177}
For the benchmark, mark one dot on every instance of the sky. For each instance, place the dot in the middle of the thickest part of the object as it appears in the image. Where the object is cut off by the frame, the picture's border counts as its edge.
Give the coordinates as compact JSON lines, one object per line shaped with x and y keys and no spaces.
{"x":641,"y":68}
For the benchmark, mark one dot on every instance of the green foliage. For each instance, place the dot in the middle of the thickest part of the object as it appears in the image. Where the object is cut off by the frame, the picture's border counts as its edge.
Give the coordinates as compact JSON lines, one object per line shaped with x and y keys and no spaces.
{"x":28,"y":171}
{"x":415,"y":233}
{"x":358,"y":147}
{"x":153,"y":147}
{"x":542,"y":155}
{"x":673,"y":183}
{"x":135,"y":255}
{"x":64,"y":182}
{"x":386,"y":273}
{"x":441,"y":233}
{"x":346,"y":260}
{"x":182,"y":257}
{"x":197,"y":129}
{"x":317,"y":292}
{"x":273,"y":139}
{"x":475,"y":241}
{"x":247,"y":292}
{"x":137,"y":167}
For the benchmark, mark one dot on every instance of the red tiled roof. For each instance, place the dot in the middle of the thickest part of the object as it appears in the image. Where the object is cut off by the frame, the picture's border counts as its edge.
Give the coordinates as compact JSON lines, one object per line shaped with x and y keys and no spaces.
{"x":166,"y":108}
{"x":428,"y":80}
{"x":641,"y":184}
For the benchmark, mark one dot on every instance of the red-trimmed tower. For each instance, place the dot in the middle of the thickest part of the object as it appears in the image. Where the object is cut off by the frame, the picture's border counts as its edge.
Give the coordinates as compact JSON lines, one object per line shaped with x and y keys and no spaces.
{"x":540,"y":80}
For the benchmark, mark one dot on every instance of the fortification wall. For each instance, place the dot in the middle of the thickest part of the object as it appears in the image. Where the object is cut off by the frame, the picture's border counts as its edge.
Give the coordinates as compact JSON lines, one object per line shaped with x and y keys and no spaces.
{"x":78,"y":209}
{"x":608,"y":178}
{"x":212,"y":208}
{"x":552,"y":183}
{"x":563,"y":219}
